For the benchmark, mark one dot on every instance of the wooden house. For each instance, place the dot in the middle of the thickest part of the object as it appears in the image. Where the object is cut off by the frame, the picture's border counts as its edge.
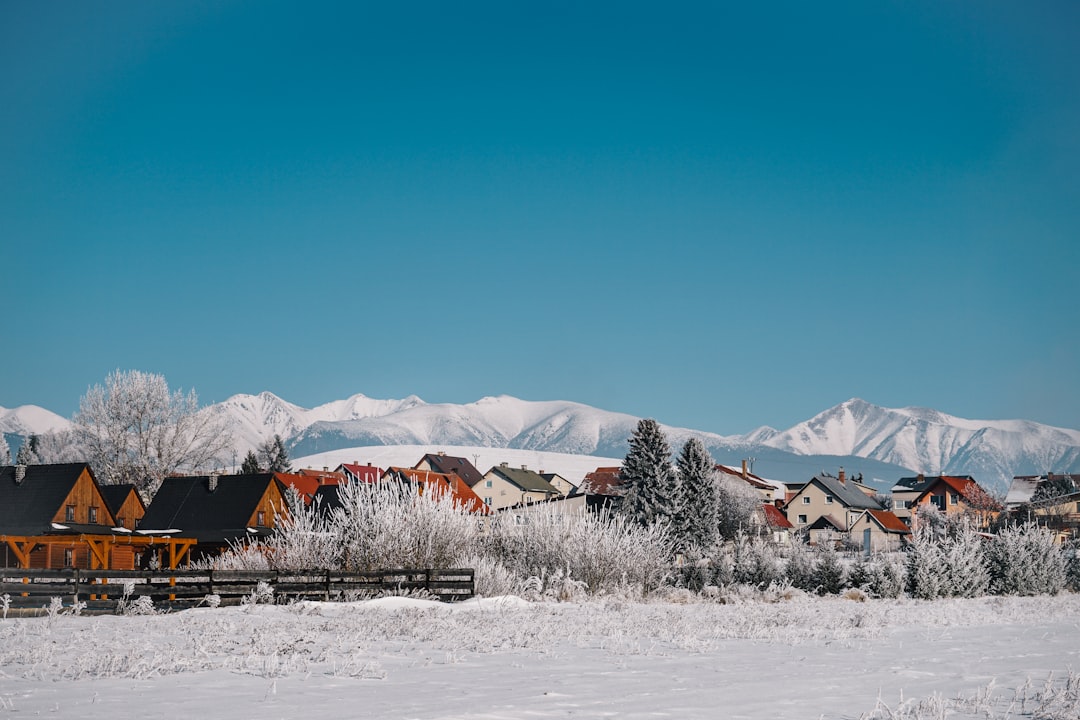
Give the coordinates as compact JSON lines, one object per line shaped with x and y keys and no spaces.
{"x":215,"y":511}
{"x":125,"y":504}
{"x":57,"y":516}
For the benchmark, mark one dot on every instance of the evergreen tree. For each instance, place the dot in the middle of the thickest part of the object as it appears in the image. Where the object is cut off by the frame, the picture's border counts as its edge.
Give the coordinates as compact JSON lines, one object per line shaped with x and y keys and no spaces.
{"x":697,"y":526}
{"x":26,"y":454}
{"x":250,"y":466}
{"x":652,"y":490}
{"x":273,"y":455}
{"x":5,"y":451}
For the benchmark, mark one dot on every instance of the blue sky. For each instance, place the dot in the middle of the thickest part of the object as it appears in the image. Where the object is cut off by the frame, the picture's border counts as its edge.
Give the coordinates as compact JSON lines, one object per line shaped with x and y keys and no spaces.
{"x":715,"y":215}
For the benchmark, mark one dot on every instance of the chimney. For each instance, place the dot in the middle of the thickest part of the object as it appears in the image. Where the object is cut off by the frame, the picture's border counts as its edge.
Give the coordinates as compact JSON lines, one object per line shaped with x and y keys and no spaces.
{"x":524,"y":466}
{"x":502,"y":464}
{"x":212,"y":482}
{"x":325,"y":468}
{"x":841,"y":477}
{"x":744,"y":468}
{"x":20,"y":473}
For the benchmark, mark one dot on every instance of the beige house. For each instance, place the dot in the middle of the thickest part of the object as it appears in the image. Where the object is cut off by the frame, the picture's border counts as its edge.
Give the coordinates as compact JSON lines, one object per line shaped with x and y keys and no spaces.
{"x":503,"y":486}
{"x":880,"y":529}
{"x":826,"y":495}
{"x":771,"y":491}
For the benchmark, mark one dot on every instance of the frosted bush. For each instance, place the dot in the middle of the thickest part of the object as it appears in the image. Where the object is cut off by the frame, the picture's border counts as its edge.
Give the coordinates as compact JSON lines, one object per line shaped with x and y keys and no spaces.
{"x":881,"y":576}
{"x":757,"y":563}
{"x":5,"y":603}
{"x":830,"y":572}
{"x":603,"y":551}
{"x":1024,"y":560}
{"x":947,"y":564}
{"x":800,"y":569}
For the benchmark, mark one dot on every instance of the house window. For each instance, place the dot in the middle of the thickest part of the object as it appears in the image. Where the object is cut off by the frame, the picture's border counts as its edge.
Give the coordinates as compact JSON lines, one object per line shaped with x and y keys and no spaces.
{"x":487,"y":483}
{"x":120,"y":521}
{"x":91,"y":515}
{"x":898,"y":504}
{"x":487,"y":501}
{"x":828,"y":499}
{"x":69,"y":557}
{"x":260,"y":519}
{"x":805,"y":499}
{"x":802,"y":519}
{"x":954,"y":499}
{"x":69,"y":513}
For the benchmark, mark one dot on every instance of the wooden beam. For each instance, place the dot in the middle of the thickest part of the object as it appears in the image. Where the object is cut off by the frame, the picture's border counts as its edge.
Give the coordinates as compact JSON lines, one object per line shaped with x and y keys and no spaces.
{"x":22,"y":547}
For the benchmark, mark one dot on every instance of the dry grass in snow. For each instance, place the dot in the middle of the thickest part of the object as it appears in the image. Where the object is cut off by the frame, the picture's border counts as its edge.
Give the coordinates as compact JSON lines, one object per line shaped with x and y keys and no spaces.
{"x":991,"y":657}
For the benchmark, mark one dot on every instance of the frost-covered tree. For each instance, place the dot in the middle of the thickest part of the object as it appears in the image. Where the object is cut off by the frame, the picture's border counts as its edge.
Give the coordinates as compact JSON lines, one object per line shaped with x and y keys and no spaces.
{"x":273,"y":455}
{"x":59,"y":447}
{"x":737,"y":503}
{"x":1025,"y":560}
{"x":652,"y":485}
{"x":830,"y":571}
{"x":756,"y":562}
{"x":26,"y":454}
{"x":135,"y":430}
{"x":250,"y":465}
{"x":697,"y":526}
{"x":947,"y":564}
{"x":5,"y":451}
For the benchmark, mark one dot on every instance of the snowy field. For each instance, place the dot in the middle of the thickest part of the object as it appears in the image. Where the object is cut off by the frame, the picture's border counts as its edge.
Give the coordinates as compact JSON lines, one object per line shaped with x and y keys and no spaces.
{"x":496,"y":659}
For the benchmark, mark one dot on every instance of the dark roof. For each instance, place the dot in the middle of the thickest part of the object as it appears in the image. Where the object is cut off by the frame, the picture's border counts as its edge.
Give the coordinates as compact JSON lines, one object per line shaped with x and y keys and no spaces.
{"x":187,"y":504}
{"x":116,"y":495}
{"x":919,"y":483}
{"x":28,"y":507}
{"x":848,"y":496}
{"x":826,"y":522}
{"x":527,"y":480}
{"x":328,"y":497}
{"x":449,"y":464}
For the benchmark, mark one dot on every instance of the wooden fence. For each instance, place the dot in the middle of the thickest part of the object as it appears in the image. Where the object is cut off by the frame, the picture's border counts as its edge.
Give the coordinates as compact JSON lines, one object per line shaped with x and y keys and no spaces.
{"x":103,"y":590}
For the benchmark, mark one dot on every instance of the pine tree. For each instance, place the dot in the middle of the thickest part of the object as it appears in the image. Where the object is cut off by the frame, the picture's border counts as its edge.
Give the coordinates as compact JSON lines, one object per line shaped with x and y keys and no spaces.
{"x":26,"y":454}
{"x":273,"y":455}
{"x":652,"y":491}
{"x":5,"y":451}
{"x":250,"y":466}
{"x":697,"y":526}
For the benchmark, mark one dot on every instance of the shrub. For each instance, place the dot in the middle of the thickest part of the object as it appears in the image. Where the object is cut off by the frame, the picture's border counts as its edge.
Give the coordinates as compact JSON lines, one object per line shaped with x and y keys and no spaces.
{"x":947,"y":564}
{"x":757,"y":563}
{"x":1024,"y":560}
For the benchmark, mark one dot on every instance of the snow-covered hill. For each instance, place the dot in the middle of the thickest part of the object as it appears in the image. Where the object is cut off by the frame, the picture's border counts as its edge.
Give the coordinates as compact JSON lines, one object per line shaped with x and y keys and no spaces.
{"x":29,"y":420}
{"x":569,"y":466}
{"x":881,"y":443}
{"x":933,"y":442}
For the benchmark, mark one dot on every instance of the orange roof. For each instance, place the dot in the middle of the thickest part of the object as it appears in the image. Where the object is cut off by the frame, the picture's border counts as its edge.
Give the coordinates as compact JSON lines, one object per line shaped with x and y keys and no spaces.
{"x":363,"y":473}
{"x":304,"y":484}
{"x":888,"y":521}
{"x":774,"y":518}
{"x":602,"y":481}
{"x":963,"y":486}
{"x":443,"y":482}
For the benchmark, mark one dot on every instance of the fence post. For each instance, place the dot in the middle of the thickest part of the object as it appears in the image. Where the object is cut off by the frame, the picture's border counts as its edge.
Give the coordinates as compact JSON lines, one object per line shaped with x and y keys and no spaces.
{"x":327,"y":596}
{"x":76,"y":576}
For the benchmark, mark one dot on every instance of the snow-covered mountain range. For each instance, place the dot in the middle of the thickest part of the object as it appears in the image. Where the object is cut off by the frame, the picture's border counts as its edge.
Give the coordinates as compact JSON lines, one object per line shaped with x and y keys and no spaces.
{"x":881,"y":443}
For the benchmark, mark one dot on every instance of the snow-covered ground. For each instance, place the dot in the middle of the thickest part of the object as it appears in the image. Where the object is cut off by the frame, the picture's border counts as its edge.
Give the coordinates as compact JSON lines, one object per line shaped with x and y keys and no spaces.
{"x":496,"y":659}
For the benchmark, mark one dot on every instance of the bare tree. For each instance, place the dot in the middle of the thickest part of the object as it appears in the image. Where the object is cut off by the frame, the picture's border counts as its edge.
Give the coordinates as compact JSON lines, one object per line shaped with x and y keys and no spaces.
{"x":134,"y":430}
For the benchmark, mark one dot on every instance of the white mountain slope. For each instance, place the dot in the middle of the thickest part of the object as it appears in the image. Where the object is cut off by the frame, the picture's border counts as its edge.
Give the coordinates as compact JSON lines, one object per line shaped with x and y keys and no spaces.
{"x":29,"y":420}
{"x":933,"y":442}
